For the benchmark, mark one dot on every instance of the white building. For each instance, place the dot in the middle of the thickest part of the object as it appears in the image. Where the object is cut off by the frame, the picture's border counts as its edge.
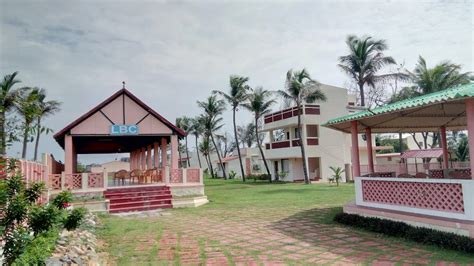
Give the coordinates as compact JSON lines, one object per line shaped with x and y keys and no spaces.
{"x":324,"y":147}
{"x":251,"y":160}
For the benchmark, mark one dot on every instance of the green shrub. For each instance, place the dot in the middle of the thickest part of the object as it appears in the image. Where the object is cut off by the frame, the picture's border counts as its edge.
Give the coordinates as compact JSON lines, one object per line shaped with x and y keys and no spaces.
{"x":39,"y":249}
{"x":74,"y":218}
{"x":403,"y":230}
{"x":265,"y":177}
{"x":43,"y":218}
{"x":62,"y":200}
{"x":232,"y":174}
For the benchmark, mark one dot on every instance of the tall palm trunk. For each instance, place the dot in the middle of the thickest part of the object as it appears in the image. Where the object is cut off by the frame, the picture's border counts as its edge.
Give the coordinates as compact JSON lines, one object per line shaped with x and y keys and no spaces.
{"x":261,"y":151}
{"x":38,"y":134}
{"x":219,"y":156}
{"x":362,"y":95}
{"x":187,"y":152}
{"x":197,"y":151}
{"x":3,"y":145}
{"x":302,"y":141}
{"x":210,"y":165}
{"x":25,"y":140}
{"x":238,"y":147}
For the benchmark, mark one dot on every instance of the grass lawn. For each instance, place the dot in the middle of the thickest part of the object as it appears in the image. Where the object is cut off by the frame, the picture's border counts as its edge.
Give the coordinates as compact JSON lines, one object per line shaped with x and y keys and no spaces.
{"x":261,"y":223}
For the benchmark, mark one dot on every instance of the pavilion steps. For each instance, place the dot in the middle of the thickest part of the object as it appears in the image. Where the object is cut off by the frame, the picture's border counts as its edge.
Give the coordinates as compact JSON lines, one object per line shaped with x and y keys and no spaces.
{"x":138,"y":198}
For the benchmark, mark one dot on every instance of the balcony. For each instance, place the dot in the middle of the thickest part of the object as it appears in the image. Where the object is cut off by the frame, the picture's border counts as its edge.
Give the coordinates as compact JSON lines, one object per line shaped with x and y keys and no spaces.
{"x":308,"y":109}
{"x":310,"y":141}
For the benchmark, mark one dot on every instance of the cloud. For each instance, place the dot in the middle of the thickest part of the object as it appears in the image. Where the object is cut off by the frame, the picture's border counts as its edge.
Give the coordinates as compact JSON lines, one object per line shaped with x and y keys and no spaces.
{"x":174,"y":53}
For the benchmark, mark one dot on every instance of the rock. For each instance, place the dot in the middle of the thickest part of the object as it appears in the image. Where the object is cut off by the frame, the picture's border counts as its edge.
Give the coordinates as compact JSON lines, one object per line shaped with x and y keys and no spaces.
{"x":53,"y":262}
{"x":77,"y":260}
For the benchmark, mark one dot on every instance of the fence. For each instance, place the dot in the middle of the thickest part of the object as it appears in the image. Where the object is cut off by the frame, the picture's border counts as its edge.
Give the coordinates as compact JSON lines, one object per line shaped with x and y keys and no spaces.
{"x":411,"y":168}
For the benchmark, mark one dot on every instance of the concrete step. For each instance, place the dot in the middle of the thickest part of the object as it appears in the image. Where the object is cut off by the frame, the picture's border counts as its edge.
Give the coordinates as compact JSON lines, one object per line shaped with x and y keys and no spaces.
{"x":136,"y":194}
{"x":139,"y":198}
{"x":139,"y":203}
{"x":141,"y":208}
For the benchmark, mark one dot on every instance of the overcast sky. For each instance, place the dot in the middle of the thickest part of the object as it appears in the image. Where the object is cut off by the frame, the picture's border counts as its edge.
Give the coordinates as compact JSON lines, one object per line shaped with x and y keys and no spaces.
{"x":173,"y":53}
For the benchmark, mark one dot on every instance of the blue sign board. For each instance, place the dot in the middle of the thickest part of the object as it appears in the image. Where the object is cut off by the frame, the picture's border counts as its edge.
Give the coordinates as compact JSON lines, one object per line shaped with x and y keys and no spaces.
{"x":123,"y":130}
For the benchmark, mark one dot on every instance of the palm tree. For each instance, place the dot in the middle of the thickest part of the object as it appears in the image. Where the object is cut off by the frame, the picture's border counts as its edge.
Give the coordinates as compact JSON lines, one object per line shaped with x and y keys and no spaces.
{"x":246,"y":134}
{"x":197,"y":130}
{"x":8,"y":97}
{"x":442,"y":76}
{"x":205,"y":148}
{"x":27,"y":107}
{"x":365,"y":59}
{"x":213,"y":108}
{"x":301,"y":89}
{"x":185,"y":124}
{"x":236,"y":96}
{"x":45,"y":108}
{"x":259,"y":104}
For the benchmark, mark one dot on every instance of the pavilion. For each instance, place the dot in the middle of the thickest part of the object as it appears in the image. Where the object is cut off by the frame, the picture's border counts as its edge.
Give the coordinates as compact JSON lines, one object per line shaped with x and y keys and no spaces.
{"x":442,"y":201}
{"x":124,"y":124}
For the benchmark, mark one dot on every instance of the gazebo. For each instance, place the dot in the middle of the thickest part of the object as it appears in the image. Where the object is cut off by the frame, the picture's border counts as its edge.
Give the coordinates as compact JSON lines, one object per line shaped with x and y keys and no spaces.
{"x":443,"y":201}
{"x":124,"y":124}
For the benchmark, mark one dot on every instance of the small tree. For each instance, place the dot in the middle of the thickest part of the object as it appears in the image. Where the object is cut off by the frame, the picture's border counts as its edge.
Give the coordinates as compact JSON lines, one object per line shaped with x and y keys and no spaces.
{"x":337,"y":173}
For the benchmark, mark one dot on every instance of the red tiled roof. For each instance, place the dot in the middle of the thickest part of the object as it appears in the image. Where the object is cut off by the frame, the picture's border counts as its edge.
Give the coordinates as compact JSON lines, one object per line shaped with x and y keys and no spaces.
{"x":430,"y":153}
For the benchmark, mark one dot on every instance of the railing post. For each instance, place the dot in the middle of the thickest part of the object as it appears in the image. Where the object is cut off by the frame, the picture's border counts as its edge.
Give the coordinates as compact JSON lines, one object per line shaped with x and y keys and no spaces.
{"x":105,"y":178}
{"x":63,"y":180}
{"x":84,"y":181}
{"x":166,"y":172}
{"x":185,"y":175}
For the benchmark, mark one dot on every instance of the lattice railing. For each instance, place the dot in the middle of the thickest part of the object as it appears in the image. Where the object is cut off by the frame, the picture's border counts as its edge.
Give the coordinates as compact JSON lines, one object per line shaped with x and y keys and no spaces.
{"x":447,"y":197}
{"x":95,"y":180}
{"x":193,"y":175}
{"x":55,"y":181}
{"x":73,"y":181}
{"x":176,"y":175}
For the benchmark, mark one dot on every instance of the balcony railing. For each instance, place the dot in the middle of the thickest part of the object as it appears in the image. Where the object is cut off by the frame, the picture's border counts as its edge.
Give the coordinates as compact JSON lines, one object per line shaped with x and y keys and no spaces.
{"x":310,"y":141}
{"x":308,"y":109}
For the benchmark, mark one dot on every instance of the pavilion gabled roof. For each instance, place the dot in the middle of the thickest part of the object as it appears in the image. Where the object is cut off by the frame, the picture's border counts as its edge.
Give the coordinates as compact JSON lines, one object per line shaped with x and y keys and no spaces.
{"x":424,"y":113}
{"x":59,"y":136}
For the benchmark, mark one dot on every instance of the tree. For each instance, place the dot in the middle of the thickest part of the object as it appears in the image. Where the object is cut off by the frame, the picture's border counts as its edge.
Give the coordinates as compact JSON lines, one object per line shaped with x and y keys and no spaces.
{"x":213,"y":109}
{"x":365,"y":60}
{"x":236,"y":96}
{"x":205,"y":148}
{"x":246,"y":134}
{"x":225,"y":143}
{"x":301,"y":89}
{"x":8,"y":97}
{"x":259,"y":103}
{"x":197,"y":130}
{"x":337,"y":173}
{"x":185,"y":124}
{"x":27,"y":107}
{"x":45,"y":108}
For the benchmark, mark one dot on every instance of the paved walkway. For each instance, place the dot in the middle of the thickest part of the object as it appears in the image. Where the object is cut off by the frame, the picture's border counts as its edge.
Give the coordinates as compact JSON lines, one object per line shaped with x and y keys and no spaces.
{"x":269,"y":237}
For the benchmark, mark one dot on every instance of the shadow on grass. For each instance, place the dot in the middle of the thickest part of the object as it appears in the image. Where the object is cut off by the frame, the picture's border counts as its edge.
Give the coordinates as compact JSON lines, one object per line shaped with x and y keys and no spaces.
{"x":285,"y":190}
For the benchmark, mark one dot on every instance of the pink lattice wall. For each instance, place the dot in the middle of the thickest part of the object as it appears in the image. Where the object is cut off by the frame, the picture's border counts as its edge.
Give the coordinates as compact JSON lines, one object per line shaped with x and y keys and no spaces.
{"x":176,"y":175}
{"x":95,"y":180}
{"x":55,"y":181}
{"x":192,"y":175}
{"x":73,"y":181}
{"x":435,"y":196}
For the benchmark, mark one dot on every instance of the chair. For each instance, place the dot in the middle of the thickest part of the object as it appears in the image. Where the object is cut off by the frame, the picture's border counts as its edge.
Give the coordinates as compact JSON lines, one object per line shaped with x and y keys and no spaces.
{"x":121,"y":175}
{"x":148,"y":175}
{"x":405,"y":176}
{"x":157,"y":177}
{"x":422,"y":175}
{"x":136,"y":173}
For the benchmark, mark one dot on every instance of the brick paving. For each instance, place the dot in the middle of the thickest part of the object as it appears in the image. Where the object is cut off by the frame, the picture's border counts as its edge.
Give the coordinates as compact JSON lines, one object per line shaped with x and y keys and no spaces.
{"x":271,"y":237}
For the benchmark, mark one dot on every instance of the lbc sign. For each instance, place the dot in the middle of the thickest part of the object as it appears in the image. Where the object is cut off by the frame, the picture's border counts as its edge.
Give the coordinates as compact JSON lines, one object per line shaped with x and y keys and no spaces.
{"x":124,"y":130}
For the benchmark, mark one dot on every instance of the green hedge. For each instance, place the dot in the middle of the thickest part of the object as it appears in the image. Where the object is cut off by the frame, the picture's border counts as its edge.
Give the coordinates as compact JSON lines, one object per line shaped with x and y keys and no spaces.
{"x":39,"y":249}
{"x":403,"y":230}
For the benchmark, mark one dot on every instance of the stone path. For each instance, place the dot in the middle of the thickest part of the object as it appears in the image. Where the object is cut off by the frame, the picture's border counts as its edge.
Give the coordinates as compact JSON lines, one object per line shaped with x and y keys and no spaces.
{"x":269,"y":237}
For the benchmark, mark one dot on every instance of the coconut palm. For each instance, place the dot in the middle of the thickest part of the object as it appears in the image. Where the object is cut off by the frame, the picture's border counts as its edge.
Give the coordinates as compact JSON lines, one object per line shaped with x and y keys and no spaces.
{"x":246,"y":134}
{"x":236,"y":96}
{"x":8,"y":97}
{"x":259,"y":103}
{"x":185,"y":124}
{"x":365,"y":60}
{"x":27,"y":107}
{"x":205,"y":148}
{"x":197,"y":130}
{"x":301,"y":89}
{"x":45,"y":108}
{"x":213,"y":109}
{"x":442,"y":76}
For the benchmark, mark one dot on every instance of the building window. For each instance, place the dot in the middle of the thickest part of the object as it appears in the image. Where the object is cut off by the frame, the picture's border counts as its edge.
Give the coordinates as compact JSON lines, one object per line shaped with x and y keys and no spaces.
{"x":297,"y":133}
{"x":285,"y":165}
